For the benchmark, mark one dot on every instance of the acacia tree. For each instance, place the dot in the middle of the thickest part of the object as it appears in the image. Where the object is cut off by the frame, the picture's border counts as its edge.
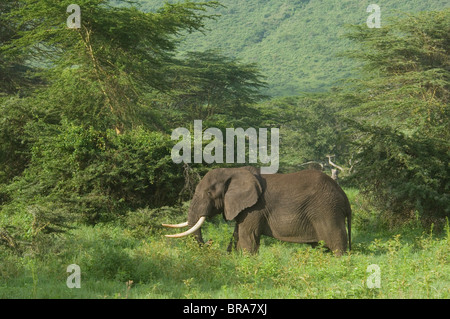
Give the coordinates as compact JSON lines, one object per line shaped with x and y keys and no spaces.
{"x":407,"y":73}
{"x":209,"y":86}
{"x":97,"y":73}
{"x":403,"y":115}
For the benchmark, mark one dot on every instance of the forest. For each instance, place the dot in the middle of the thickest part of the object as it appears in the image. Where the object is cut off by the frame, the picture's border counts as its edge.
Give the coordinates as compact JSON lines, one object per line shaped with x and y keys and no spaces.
{"x":87,"y":113}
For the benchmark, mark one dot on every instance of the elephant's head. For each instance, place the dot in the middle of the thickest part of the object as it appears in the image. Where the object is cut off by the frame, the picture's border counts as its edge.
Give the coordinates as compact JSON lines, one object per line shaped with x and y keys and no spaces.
{"x":223,"y":190}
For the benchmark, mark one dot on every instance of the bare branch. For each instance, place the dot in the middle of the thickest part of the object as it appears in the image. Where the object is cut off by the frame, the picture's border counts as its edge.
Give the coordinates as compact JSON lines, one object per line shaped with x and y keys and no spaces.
{"x":332,"y":164}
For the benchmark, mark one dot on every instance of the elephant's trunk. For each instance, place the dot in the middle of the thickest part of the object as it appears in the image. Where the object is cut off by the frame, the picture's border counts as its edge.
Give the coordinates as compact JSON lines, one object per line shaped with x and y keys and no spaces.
{"x":198,"y":236}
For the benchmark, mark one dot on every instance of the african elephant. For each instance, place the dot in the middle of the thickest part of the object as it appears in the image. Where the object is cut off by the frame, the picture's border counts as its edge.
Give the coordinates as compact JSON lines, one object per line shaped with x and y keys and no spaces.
{"x":302,"y":207}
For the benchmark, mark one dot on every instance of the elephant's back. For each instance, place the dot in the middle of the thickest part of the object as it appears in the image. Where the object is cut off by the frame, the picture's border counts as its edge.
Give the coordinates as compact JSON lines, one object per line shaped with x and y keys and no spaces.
{"x":305,"y":186}
{"x":301,"y":182}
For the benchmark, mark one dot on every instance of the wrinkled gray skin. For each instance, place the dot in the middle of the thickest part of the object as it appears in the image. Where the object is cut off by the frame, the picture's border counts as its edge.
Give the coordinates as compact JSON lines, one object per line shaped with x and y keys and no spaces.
{"x":303,"y":207}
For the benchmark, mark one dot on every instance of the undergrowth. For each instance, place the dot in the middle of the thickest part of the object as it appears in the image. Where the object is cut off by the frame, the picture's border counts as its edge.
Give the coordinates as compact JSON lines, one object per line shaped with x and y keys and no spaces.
{"x":116,"y":264}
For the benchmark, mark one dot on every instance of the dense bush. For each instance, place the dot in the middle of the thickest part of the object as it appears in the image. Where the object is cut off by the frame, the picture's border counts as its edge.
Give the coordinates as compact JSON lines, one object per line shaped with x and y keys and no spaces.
{"x":14,"y":146}
{"x":97,"y":172}
{"x":89,"y":175}
{"x":404,"y":174}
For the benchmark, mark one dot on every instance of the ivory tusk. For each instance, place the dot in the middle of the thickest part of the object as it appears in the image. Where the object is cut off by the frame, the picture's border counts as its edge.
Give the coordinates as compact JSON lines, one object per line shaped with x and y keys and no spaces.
{"x":176,"y":225}
{"x":189,"y":231}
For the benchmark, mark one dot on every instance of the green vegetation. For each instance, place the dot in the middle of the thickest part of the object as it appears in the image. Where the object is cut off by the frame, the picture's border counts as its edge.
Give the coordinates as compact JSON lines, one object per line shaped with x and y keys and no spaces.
{"x":297,"y":44}
{"x":402,"y":110}
{"x":123,"y":260}
{"x":86,"y":115}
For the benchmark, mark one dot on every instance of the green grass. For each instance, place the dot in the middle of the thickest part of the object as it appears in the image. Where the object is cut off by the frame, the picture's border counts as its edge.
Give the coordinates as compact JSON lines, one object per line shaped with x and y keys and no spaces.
{"x":414,"y":264}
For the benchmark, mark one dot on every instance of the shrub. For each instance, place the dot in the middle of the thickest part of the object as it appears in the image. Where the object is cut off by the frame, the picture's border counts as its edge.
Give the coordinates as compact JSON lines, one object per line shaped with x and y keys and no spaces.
{"x":96,"y":172}
{"x":79,"y":173}
{"x":404,"y":174}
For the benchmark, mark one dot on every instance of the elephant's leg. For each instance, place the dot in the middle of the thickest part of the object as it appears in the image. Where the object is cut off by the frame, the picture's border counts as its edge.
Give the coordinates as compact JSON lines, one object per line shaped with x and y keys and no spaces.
{"x":250,"y":226}
{"x":339,"y":244}
{"x":234,"y":239}
{"x":248,"y":239}
{"x":250,"y":245}
{"x":333,"y":234}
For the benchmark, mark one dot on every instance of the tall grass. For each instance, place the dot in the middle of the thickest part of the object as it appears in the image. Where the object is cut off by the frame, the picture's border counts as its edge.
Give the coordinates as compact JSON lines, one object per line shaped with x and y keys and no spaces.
{"x":117,"y":262}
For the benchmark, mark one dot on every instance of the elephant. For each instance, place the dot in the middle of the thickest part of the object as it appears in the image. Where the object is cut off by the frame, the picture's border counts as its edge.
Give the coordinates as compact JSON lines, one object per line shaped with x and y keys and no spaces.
{"x":307,"y":206}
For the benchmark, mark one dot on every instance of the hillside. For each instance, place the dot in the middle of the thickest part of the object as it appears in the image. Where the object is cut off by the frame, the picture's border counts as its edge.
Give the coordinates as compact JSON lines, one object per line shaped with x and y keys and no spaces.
{"x":294,"y":42}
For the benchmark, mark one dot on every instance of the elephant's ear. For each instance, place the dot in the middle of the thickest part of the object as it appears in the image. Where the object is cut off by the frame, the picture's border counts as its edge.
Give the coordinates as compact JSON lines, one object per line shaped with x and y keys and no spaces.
{"x":243,"y":191}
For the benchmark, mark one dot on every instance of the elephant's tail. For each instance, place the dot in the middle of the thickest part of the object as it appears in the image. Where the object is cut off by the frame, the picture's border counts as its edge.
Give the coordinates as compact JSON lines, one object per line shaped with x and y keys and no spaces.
{"x":349,"y":227}
{"x":348,"y":214}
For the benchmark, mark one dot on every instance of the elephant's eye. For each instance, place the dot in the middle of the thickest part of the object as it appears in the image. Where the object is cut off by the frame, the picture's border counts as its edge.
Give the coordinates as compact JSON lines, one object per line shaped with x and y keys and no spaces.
{"x":209,"y":193}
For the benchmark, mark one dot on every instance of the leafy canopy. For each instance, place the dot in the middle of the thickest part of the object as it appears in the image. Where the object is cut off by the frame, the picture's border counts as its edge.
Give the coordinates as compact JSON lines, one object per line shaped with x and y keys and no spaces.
{"x":101,"y":69}
{"x":402,"y":115}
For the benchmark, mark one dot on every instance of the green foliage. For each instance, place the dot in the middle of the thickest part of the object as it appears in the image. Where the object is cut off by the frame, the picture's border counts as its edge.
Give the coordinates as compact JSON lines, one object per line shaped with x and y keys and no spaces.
{"x":15,"y":74}
{"x":406,"y":77}
{"x":85,"y":170}
{"x":404,"y":174}
{"x":311,"y":128}
{"x":88,"y":175}
{"x":402,"y":118}
{"x":295,"y":43}
{"x":209,"y":86}
{"x":102,"y":69}
{"x":99,"y":172}
{"x":14,"y":147}
{"x":78,"y":145}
